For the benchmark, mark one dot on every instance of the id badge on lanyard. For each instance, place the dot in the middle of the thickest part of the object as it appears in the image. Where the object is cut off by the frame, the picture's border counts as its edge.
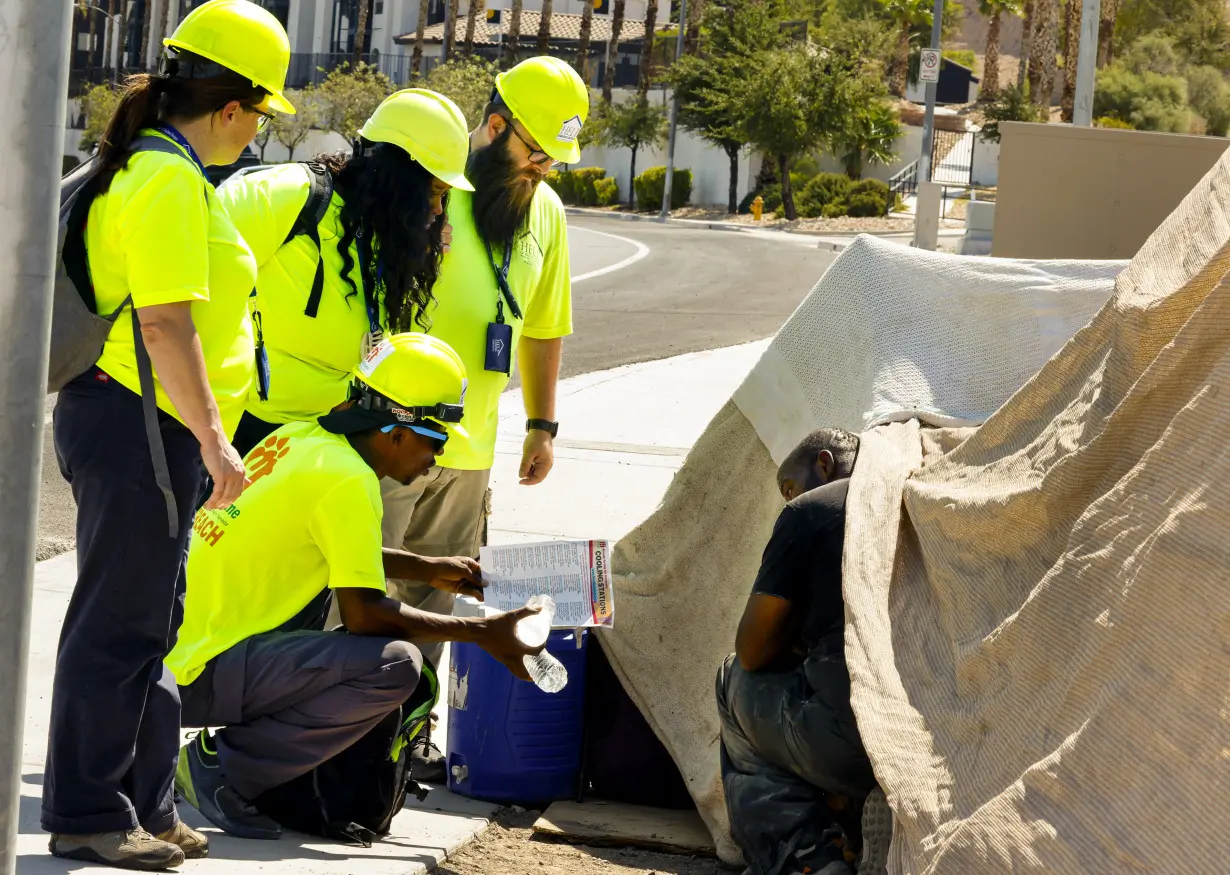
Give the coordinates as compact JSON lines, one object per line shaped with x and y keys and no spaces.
{"x":375,"y":333}
{"x":498,"y":357}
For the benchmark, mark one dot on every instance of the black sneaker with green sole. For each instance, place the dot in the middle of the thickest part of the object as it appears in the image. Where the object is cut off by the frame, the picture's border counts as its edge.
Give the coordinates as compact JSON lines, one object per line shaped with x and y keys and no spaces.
{"x":199,"y":779}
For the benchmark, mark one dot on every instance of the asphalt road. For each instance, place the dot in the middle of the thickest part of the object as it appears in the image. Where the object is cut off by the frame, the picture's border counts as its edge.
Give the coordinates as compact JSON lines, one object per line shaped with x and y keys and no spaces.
{"x":641,"y":291}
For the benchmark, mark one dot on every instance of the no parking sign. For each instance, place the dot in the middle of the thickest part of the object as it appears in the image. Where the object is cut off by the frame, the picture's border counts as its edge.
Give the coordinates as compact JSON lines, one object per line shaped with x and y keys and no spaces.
{"x":929,"y":66}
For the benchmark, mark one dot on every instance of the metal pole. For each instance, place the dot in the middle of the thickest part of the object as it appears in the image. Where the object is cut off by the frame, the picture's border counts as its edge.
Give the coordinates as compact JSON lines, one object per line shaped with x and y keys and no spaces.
{"x":670,"y":147}
{"x":924,"y":167}
{"x":1087,"y":63}
{"x":34,"y":101}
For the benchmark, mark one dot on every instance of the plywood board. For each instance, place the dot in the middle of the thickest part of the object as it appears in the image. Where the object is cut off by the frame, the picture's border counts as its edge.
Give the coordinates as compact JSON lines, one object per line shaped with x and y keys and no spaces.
{"x":614,"y":823}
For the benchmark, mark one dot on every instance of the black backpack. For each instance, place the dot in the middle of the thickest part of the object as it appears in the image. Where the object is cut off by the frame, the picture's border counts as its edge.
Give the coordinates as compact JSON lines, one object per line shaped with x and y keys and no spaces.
{"x":354,"y":796}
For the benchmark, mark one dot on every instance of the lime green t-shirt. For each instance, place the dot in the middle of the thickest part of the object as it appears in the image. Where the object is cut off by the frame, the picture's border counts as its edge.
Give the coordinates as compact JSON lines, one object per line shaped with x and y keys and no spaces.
{"x":160,"y":234}
{"x":466,"y":293}
{"x":310,"y":359}
{"x":310,"y":520}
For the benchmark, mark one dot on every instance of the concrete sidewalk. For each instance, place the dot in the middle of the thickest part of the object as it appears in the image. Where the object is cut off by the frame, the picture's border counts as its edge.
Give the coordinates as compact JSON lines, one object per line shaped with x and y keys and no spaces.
{"x":623,"y":434}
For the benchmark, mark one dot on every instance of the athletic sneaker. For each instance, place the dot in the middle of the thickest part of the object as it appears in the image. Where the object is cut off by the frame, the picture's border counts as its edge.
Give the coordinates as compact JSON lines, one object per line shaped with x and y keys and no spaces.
{"x":877,"y":834}
{"x":192,"y":843}
{"x":130,"y":849}
{"x":199,"y":779}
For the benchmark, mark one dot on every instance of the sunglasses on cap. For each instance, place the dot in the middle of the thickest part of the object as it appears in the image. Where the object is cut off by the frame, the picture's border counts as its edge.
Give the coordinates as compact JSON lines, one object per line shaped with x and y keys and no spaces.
{"x":438,"y":438}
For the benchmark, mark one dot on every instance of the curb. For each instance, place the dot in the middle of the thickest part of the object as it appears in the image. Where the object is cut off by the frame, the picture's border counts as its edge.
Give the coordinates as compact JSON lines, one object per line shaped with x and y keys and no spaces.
{"x":826,"y":242}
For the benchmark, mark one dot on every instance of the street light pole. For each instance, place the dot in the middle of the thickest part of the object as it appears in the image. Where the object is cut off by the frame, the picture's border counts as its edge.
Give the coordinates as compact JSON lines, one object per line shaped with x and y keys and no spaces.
{"x":1087,"y":63}
{"x":924,"y":166}
{"x":670,"y":147}
{"x":33,"y":102}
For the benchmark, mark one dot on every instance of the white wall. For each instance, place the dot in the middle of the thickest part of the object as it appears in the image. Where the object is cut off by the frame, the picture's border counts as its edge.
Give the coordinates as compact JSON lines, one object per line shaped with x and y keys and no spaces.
{"x":986,"y":163}
{"x":317,"y":141}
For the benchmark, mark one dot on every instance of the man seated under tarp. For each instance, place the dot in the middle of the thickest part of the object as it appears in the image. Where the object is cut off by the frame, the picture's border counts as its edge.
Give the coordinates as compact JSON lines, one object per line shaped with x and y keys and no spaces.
{"x":793,"y":766}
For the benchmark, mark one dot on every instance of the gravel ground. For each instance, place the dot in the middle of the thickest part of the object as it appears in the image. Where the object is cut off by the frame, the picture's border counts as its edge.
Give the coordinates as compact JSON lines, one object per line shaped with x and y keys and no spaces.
{"x":845,"y":225}
{"x":509,"y":847}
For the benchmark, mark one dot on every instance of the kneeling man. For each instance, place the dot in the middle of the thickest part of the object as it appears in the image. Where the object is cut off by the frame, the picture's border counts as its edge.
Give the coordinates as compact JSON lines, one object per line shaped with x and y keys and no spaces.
{"x":309,"y":525}
{"x":793,"y":765}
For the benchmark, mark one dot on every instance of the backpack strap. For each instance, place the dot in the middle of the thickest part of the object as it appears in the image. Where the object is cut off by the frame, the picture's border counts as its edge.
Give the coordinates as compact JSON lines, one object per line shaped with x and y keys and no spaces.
{"x":320,"y":195}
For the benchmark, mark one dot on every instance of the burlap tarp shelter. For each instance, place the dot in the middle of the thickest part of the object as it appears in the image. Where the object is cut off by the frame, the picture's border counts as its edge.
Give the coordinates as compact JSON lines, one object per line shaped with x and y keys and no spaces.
{"x":1038,"y":609}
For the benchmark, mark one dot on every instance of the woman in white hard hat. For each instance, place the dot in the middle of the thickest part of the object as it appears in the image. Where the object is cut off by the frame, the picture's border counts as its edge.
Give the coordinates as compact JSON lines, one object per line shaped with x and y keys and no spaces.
{"x":159,"y":243}
{"x":332,"y":282}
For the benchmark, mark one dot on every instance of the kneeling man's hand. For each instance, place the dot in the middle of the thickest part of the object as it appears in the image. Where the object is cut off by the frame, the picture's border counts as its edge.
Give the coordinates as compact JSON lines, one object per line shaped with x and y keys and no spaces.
{"x":456,"y":574}
{"x":499,"y":638}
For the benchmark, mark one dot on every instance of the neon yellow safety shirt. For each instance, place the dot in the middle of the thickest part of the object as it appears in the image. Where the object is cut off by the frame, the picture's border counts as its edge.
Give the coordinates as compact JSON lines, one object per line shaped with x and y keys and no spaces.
{"x":310,"y":359}
{"x":161,"y":235}
{"x":310,"y":520}
{"x":466,"y":292}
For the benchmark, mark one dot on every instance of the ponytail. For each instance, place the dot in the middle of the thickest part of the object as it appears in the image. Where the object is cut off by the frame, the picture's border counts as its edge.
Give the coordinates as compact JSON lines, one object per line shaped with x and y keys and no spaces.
{"x":137,"y":109}
{"x":148,"y":100}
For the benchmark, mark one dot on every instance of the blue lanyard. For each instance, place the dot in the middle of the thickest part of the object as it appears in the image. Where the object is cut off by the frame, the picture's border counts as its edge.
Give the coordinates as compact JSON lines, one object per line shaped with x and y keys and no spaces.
{"x":501,"y":280}
{"x":363,"y":237}
{"x":178,"y":139}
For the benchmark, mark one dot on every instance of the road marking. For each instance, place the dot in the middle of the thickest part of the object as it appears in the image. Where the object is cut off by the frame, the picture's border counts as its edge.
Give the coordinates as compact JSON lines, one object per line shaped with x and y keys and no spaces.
{"x":641,"y":251}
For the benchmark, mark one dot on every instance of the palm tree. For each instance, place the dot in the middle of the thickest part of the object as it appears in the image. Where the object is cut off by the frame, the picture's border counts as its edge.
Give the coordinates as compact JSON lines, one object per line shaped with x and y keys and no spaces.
{"x":544,"y":28}
{"x":905,"y":15}
{"x":147,"y":20}
{"x":587,"y":26}
{"x":617,"y":24}
{"x":108,"y":36}
{"x":651,"y":22}
{"x":1106,"y":32}
{"x":416,"y":57}
{"x":994,"y":10}
{"x":477,"y":7}
{"x":512,"y":43}
{"x":691,"y":39}
{"x":1042,"y":56}
{"x":122,"y":37}
{"x":1071,"y":48}
{"x":360,"y":35}
{"x":1027,"y":38}
{"x":450,"y":29}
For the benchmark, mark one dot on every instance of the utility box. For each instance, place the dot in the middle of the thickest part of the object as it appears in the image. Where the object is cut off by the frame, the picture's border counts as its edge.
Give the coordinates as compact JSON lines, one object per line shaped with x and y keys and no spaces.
{"x":979,"y":227}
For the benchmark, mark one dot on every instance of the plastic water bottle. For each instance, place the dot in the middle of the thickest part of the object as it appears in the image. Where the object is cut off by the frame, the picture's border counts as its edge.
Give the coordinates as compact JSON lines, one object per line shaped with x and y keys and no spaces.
{"x":547,"y":672}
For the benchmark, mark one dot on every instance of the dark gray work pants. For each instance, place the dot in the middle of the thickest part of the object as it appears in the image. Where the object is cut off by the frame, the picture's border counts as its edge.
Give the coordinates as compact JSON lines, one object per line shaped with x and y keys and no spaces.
{"x":788,"y":740}
{"x":291,"y":700}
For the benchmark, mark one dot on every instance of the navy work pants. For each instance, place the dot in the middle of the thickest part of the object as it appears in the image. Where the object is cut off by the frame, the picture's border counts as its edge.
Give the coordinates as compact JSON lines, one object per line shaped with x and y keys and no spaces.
{"x":115,"y":706}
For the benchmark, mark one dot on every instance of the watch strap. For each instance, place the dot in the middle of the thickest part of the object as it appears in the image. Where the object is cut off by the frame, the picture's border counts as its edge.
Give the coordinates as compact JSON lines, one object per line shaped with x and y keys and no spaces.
{"x":551,"y":428}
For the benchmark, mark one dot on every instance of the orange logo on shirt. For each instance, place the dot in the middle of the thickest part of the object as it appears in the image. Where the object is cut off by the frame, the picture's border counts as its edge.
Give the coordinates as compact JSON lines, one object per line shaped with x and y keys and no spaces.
{"x":265,"y":457}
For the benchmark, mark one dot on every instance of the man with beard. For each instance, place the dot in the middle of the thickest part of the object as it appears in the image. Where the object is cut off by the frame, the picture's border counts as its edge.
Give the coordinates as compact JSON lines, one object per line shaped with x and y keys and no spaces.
{"x":503,"y":294}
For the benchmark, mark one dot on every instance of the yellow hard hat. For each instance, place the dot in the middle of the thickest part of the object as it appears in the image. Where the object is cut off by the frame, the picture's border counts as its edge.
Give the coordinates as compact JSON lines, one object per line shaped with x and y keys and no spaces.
{"x":548,"y":97}
{"x":420,"y":378}
{"x":429,"y":127}
{"x":242,"y":37}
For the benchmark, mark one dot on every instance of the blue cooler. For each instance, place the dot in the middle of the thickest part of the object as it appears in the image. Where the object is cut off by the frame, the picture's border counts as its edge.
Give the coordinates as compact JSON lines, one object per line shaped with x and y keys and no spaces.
{"x":508,"y":741}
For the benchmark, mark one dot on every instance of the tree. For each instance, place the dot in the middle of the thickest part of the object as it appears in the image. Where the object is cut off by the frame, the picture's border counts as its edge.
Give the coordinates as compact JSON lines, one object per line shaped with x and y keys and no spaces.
{"x":544,"y":28}
{"x":166,"y":22}
{"x":416,"y":57}
{"x":512,"y":44}
{"x":617,"y":25}
{"x":360,"y":34}
{"x":1198,"y":28}
{"x":1010,"y":105}
{"x":1043,"y":52}
{"x":631,"y":125}
{"x":906,"y":16}
{"x":293,"y":130}
{"x":587,"y":27}
{"x":994,"y":10}
{"x":98,"y":105}
{"x":475,"y":9}
{"x":1071,"y":49}
{"x":711,"y":85}
{"x":348,"y":97}
{"x":89,"y":55}
{"x":691,"y":37}
{"x":1027,"y":38}
{"x":1148,"y":101}
{"x":1209,"y":95}
{"x":797,"y":99}
{"x":450,"y":30}
{"x":651,"y":23}
{"x":122,"y":36}
{"x":109,"y":39}
{"x":867,"y":137}
{"x":1106,"y":33}
{"x":147,"y":19}
{"x":467,"y":82}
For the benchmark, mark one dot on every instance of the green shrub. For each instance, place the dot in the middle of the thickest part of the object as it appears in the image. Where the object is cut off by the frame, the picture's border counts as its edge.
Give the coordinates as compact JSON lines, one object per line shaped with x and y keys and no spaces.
{"x":870,"y":186}
{"x":577,"y":187}
{"x":650,"y":186}
{"x":1209,"y":95}
{"x":1114,"y":123}
{"x":1149,"y":101}
{"x":835,"y":210}
{"x":822,"y":190}
{"x":1008,"y":105}
{"x":964,"y":57}
{"x":867,"y":204}
{"x":607,"y":191}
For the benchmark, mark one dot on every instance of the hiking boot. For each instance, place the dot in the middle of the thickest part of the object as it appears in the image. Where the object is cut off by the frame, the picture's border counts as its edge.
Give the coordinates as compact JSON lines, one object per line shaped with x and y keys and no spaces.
{"x":877,"y":834}
{"x":192,"y":843}
{"x":130,"y":849}
{"x":199,"y":779}
{"x":426,"y":760}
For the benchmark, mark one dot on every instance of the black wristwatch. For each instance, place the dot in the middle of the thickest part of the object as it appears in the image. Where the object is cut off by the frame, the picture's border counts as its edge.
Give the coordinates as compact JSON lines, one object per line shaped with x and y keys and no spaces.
{"x":551,"y":428}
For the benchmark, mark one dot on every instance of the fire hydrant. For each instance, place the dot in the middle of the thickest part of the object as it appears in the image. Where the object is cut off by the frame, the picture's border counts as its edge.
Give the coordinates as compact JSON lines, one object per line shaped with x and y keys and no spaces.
{"x":757,"y":207}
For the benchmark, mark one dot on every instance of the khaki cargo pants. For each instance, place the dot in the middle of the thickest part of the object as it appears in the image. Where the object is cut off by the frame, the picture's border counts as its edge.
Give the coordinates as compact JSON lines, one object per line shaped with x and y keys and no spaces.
{"x":442,"y":513}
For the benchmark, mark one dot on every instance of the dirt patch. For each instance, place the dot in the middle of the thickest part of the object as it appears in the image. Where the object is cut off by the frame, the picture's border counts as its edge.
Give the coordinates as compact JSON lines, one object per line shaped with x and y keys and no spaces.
{"x":844,"y":225}
{"x":509,"y":847}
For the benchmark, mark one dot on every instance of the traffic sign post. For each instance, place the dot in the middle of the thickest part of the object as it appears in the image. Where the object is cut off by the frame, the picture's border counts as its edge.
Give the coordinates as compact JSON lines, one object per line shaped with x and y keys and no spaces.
{"x":929,"y":66}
